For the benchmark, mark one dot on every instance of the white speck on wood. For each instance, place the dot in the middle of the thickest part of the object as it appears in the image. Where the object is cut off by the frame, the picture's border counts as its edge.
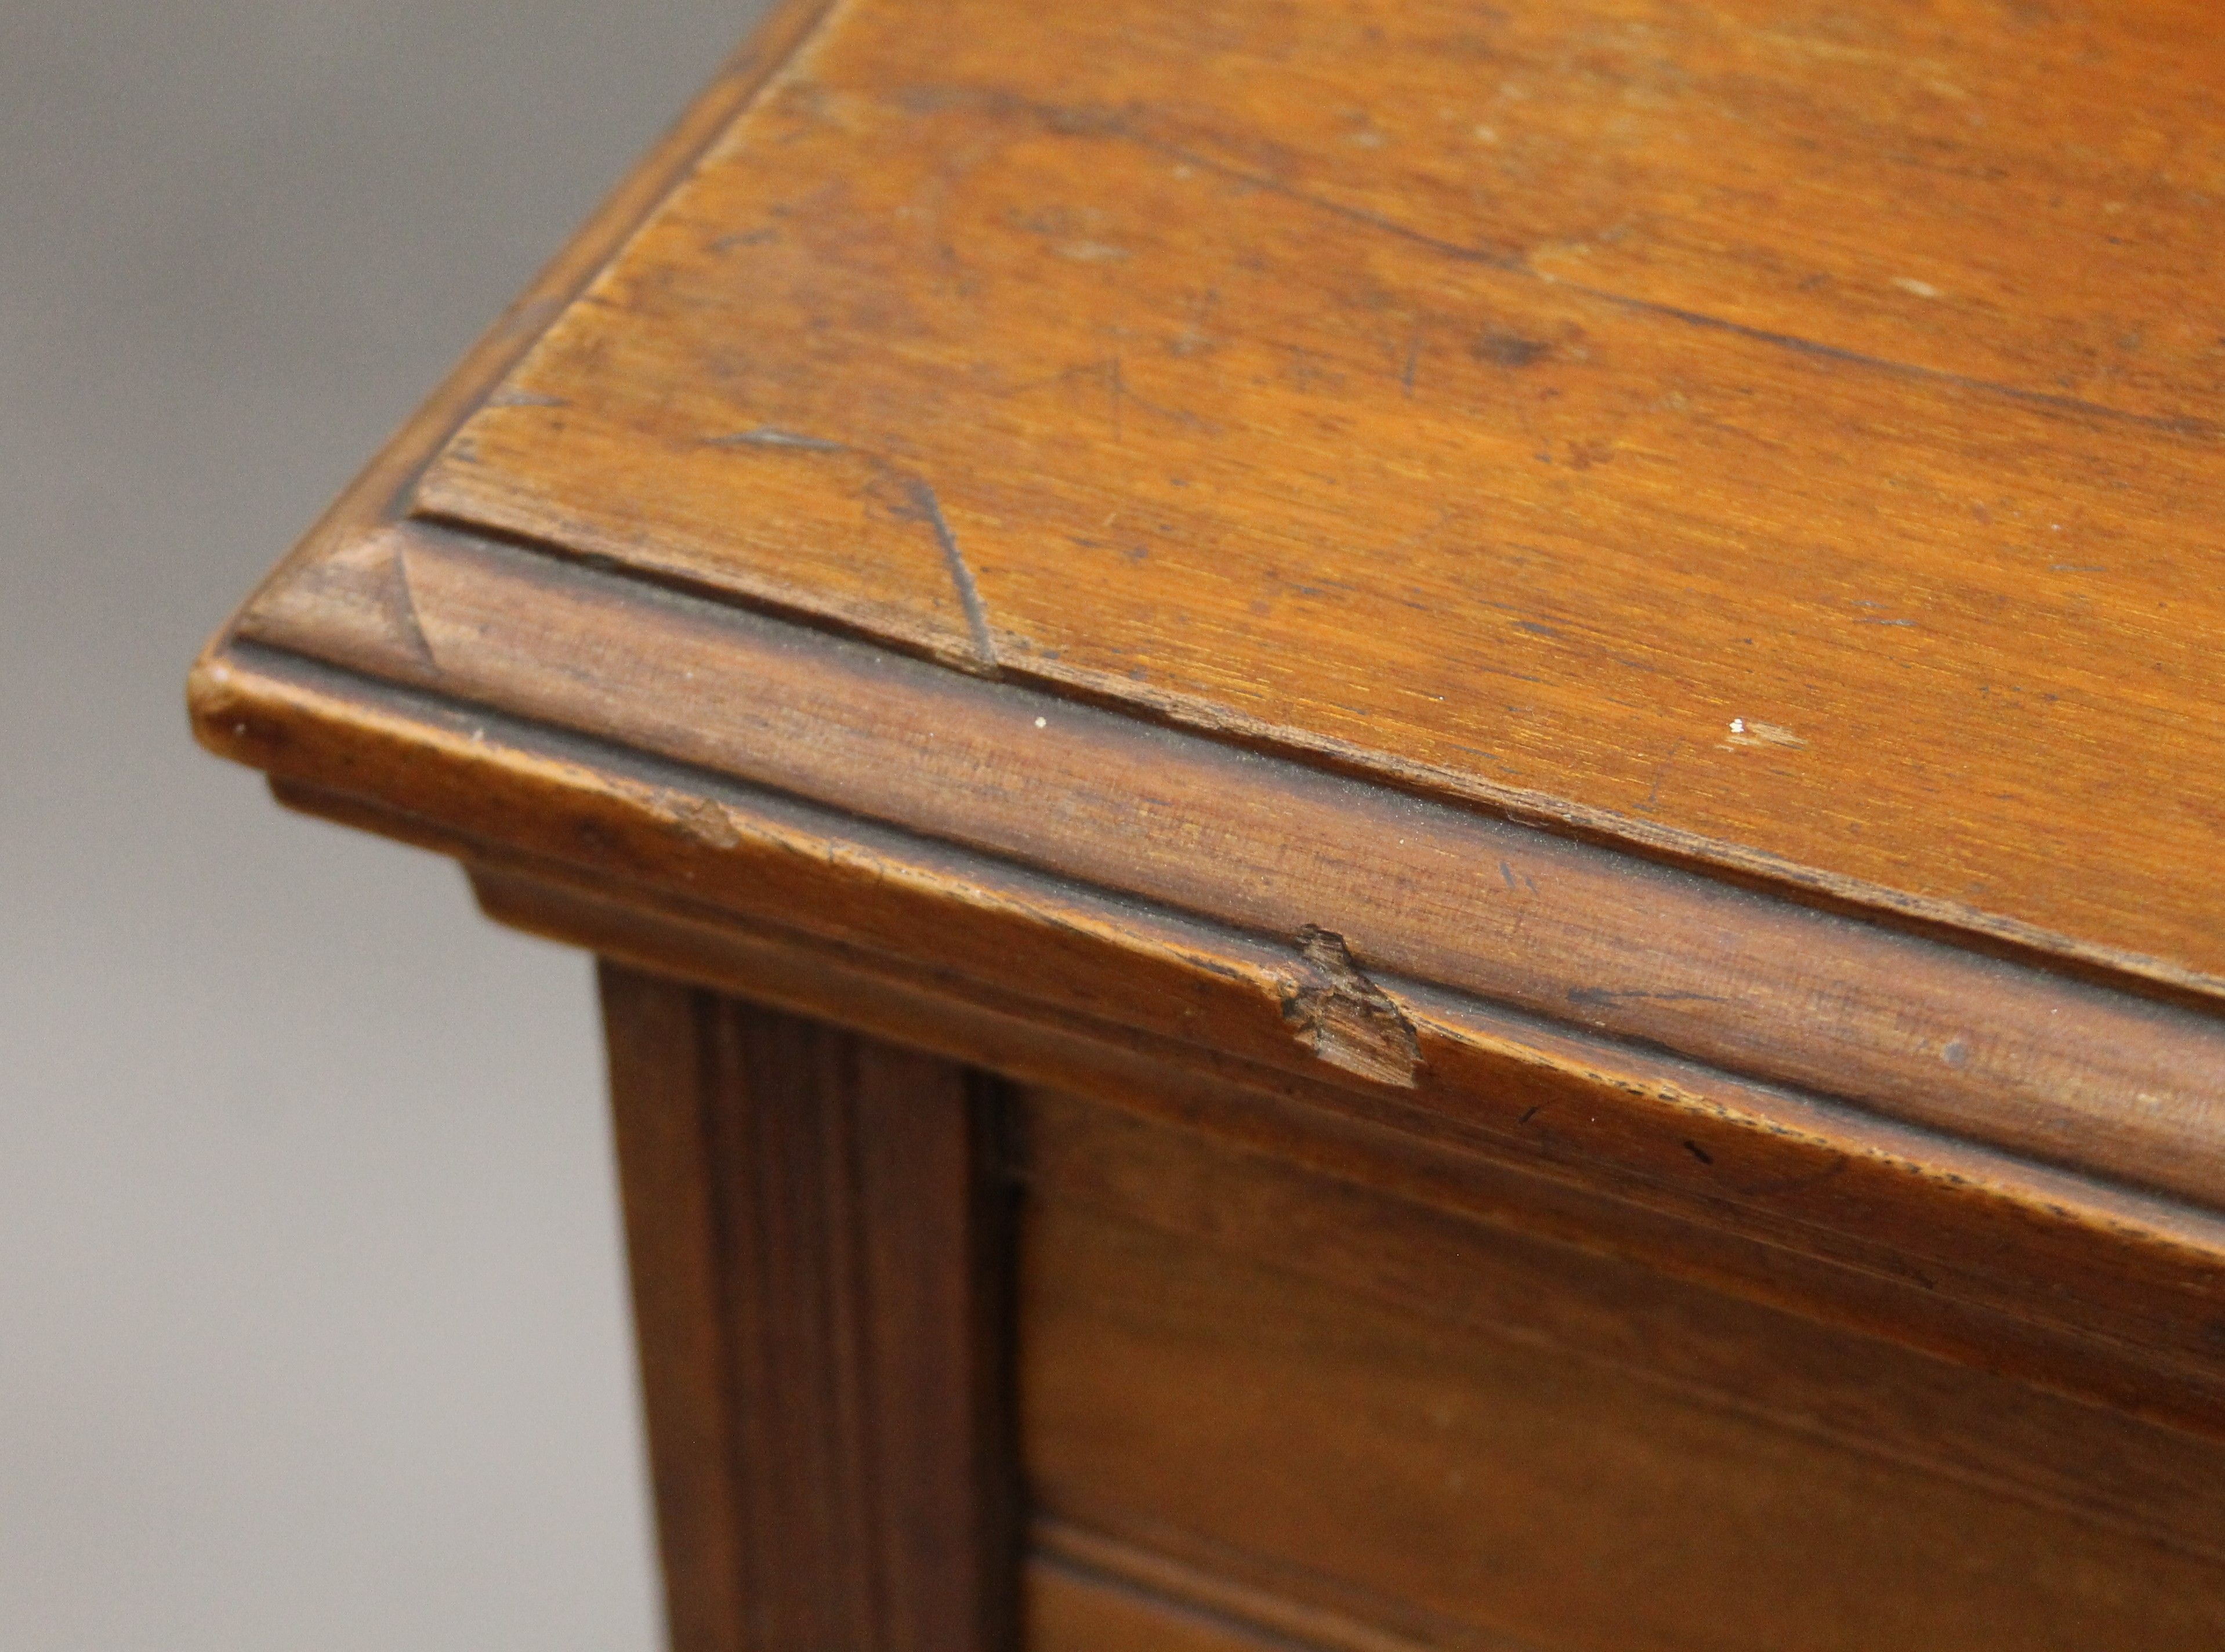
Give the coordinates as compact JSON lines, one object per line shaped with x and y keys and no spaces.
{"x":1744,"y":733}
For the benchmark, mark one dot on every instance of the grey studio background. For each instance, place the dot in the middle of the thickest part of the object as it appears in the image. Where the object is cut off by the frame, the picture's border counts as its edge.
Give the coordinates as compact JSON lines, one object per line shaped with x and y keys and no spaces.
{"x":313,"y":1331}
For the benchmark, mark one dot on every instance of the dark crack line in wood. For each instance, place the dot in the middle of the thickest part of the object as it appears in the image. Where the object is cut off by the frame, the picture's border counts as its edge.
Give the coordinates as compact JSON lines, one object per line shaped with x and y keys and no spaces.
{"x":924,"y":507}
{"x":977,"y":617}
{"x":2175,"y":425}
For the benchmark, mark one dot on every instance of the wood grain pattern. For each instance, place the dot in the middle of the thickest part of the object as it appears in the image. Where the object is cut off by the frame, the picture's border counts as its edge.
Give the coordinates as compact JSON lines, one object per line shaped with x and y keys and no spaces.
{"x":814,"y":1225}
{"x":1785,"y":439}
{"x":1456,"y":1438}
{"x":1982,"y":1048}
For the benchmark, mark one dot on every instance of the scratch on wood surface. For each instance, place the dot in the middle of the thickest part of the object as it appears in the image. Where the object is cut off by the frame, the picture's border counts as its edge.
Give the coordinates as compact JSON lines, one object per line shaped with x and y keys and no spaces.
{"x":1653,"y":792}
{"x":930,"y":510}
{"x":1346,"y":1019}
{"x":919,"y":505}
{"x":698,"y":818}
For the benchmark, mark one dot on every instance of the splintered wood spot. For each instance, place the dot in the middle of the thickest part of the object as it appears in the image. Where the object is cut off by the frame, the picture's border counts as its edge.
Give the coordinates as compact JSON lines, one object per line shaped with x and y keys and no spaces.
{"x":1745,"y":733}
{"x":1346,"y":1019}
{"x":700,"y":819}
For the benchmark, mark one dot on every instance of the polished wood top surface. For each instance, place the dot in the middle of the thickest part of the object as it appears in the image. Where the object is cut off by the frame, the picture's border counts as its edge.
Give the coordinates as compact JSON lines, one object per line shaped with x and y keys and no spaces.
{"x":1785,"y":437}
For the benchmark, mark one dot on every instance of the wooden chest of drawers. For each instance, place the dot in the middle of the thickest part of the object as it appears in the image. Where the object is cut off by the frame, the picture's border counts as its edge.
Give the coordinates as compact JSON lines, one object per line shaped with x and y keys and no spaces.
{"x":1405,"y":818}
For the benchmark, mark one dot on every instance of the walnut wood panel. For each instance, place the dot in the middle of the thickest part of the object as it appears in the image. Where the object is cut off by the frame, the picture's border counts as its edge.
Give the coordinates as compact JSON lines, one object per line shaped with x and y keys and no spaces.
{"x":1441,"y":1430}
{"x":1787,"y":439}
{"x":1290,"y":1198}
{"x":815,"y":1223}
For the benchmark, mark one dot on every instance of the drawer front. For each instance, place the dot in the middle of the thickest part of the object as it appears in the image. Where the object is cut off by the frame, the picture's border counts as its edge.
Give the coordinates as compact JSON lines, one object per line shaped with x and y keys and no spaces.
{"x":1262,"y":1404}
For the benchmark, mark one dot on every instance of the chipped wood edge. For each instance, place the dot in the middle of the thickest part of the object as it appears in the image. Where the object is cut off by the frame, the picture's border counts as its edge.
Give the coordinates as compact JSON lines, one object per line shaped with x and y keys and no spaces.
{"x":1349,"y":1021}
